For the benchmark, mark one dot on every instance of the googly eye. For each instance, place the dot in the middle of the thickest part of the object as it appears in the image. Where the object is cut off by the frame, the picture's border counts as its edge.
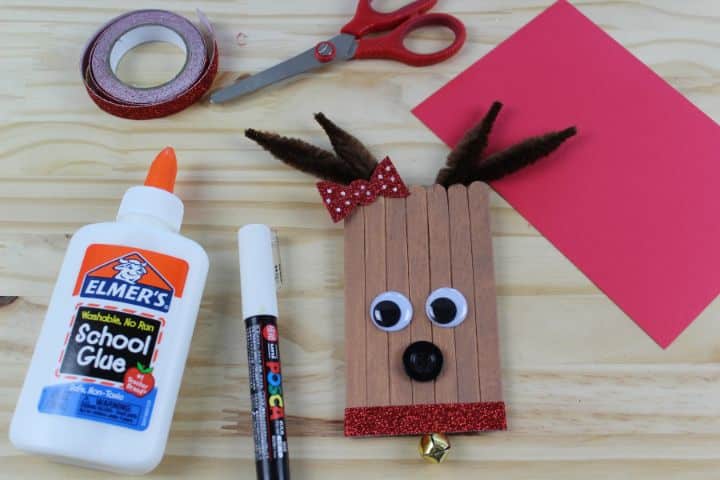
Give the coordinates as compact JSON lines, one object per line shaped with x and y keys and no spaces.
{"x":446,"y":307}
{"x":391,"y":311}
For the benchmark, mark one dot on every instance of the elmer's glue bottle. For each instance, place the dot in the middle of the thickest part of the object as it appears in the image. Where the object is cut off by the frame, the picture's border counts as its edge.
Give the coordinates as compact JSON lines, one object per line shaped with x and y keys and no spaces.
{"x":106,"y":371}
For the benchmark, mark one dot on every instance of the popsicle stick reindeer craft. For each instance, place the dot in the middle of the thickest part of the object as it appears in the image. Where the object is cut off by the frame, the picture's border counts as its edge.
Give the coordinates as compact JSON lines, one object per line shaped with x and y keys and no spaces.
{"x":421,"y":327}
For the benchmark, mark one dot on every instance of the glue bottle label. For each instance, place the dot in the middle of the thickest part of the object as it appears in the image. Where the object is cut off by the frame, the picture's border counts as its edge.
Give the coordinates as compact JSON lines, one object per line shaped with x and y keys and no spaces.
{"x":106,"y":368}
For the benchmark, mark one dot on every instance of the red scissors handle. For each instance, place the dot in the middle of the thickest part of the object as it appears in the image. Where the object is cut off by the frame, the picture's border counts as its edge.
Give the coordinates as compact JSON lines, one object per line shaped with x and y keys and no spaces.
{"x":392,"y":47}
{"x":368,"y":20}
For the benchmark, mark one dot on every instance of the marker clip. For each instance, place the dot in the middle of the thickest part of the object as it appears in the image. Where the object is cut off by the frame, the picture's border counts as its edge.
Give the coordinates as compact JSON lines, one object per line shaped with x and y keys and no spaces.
{"x":277,"y":265}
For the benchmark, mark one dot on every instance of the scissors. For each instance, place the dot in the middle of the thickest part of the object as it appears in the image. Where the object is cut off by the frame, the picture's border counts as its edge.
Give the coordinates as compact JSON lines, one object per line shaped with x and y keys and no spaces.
{"x":352,"y":44}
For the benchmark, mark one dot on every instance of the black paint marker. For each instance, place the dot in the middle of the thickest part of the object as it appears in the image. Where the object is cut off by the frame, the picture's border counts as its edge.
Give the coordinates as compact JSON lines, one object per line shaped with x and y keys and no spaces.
{"x":259,"y":304}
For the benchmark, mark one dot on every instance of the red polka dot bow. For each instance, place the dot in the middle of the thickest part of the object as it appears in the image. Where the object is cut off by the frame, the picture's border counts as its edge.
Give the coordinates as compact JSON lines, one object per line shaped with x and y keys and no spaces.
{"x":341,"y":200}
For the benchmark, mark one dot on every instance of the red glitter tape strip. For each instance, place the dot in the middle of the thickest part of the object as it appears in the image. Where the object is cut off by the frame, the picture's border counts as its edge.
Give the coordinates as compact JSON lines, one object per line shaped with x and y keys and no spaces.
{"x":422,"y":419}
{"x":122,"y":33}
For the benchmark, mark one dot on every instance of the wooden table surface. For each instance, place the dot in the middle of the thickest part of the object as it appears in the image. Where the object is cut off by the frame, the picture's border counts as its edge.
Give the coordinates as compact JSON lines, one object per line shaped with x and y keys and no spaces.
{"x":590,"y":396}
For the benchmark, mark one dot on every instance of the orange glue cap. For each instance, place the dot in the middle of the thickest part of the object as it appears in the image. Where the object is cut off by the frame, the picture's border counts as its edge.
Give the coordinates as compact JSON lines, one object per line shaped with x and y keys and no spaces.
{"x":163,"y":171}
{"x":155,"y":200}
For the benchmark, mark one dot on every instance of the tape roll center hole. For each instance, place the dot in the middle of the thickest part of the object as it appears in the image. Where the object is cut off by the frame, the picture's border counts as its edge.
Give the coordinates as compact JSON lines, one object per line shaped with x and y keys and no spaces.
{"x":429,"y":39}
{"x":148,"y":56}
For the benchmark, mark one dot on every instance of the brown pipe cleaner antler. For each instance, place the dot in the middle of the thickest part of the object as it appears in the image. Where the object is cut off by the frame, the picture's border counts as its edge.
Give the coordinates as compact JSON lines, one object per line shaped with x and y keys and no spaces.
{"x":465,"y":165}
{"x":351,"y":162}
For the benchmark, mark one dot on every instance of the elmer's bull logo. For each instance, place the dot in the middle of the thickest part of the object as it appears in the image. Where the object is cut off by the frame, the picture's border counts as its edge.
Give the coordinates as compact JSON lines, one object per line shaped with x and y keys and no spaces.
{"x":129,"y":279}
{"x":130,"y":270}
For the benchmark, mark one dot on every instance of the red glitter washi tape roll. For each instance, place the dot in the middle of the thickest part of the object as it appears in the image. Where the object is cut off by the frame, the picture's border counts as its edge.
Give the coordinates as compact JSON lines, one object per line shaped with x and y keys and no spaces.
{"x":114,"y":39}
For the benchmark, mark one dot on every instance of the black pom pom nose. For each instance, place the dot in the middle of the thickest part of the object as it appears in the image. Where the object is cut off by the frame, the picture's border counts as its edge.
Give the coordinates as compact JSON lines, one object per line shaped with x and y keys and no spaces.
{"x":423,"y":361}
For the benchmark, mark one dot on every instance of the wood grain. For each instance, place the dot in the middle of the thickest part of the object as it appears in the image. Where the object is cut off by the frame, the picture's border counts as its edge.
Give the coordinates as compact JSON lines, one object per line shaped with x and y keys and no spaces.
{"x":419,"y":280}
{"x":441,"y":276}
{"x":461,"y":259}
{"x":483,"y":273}
{"x":356,"y":317}
{"x":589,"y":395}
{"x":376,"y":343}
{"x":397,"y":280}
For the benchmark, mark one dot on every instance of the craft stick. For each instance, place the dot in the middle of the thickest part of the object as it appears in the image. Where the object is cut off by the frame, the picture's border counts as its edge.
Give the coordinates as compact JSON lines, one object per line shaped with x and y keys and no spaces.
{"x":440,"y":276}
{"x":485,"y":297}
{"x":376,"y":373}
{"x":356,"y":317}
{"x":419,"y":280}
{"x":397,"y":280}
{"x":466,"y":352}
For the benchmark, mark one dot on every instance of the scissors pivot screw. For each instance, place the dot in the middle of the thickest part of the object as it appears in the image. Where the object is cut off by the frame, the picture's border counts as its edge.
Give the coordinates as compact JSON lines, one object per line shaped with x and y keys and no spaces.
{"x":355,"y":42}
{"x":325,"y":51}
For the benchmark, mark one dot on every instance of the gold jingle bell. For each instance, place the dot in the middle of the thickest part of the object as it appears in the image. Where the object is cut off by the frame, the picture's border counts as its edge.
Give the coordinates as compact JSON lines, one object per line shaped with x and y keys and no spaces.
{"x":434,"y":447}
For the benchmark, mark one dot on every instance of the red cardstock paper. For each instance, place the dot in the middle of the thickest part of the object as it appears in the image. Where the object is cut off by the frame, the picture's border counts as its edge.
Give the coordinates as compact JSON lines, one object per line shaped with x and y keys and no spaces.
{"x":634,"y":200}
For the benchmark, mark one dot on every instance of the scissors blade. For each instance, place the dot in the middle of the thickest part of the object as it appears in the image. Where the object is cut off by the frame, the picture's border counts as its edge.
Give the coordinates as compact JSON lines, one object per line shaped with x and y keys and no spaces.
{"x":345,"y":46}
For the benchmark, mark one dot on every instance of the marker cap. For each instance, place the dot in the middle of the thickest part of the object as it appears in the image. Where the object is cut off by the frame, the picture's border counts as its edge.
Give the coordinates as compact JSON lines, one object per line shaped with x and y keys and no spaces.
{"x":257,"y":271}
